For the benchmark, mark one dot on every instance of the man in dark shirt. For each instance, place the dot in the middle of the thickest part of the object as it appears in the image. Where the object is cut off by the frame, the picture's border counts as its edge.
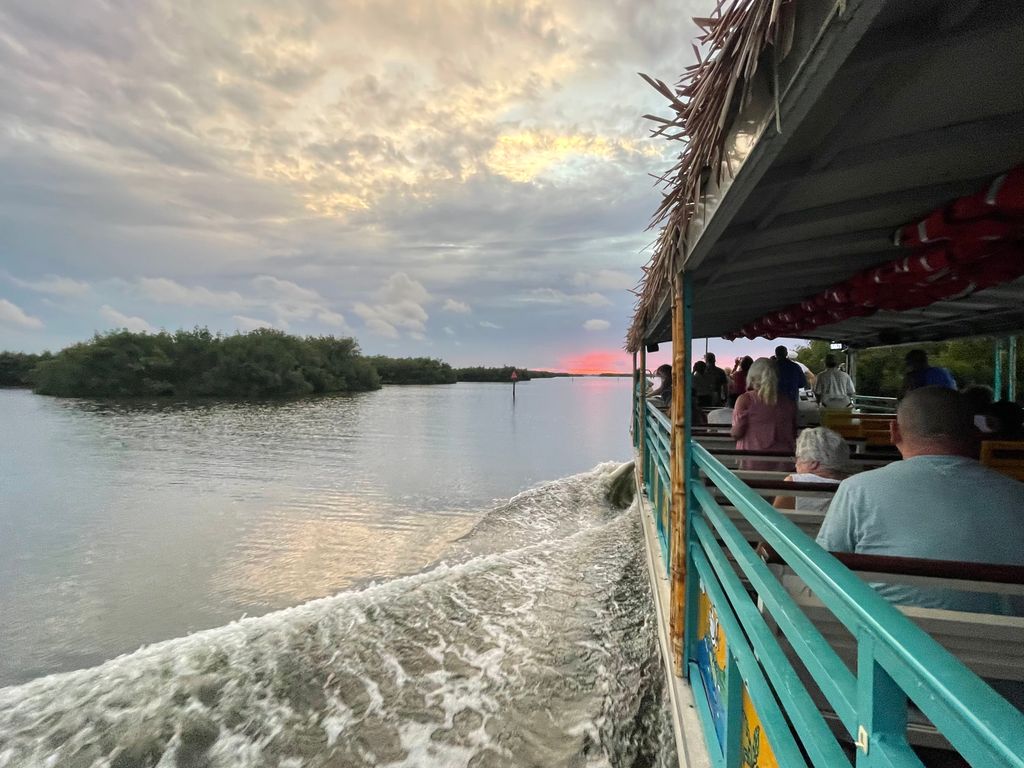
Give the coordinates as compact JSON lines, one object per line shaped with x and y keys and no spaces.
{"x":721,"y":379}
{"x":791,"y":375}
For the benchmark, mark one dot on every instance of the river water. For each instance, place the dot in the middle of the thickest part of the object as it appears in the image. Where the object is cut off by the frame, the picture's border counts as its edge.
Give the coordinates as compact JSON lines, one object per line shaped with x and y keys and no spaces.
{"x":411,"y":577}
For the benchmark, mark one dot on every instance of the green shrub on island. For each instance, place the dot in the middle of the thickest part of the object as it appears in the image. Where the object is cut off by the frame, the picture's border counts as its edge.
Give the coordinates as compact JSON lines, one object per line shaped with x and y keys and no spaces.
{"x":198,"y":363}
{"x":413,"y":370}
{"x":16,"y":368}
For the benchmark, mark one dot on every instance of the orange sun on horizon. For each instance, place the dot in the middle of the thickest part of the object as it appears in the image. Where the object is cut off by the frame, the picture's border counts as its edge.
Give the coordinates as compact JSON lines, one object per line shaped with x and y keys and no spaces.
{"x":596,"y":361}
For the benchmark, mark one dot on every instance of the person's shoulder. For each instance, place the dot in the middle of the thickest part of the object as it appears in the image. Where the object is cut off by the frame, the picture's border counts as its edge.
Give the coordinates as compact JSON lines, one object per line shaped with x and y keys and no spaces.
{"x":993,"y":480}
{"x":873,"y":478}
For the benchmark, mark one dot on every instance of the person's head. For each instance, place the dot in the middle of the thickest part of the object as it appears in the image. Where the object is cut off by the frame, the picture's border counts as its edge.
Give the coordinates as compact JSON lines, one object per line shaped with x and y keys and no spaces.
{"x":821,"y":451}
{"x":763,"y":378}
{"x":664,"y":372}
{"x":830,"y":361}
{"x":933,"y":421}
{"x":978,"y":398}
{"x":1009,"y":418}
{"x":700,"y":367}
{"x":710,"y":359}
{"x":746,"y":362}
{"x":916,"y":360}
{"x":781,"y":352}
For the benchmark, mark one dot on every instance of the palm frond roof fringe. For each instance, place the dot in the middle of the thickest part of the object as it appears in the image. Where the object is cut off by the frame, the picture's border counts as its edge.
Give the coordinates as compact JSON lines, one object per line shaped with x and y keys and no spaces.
{"x":705,"y":102}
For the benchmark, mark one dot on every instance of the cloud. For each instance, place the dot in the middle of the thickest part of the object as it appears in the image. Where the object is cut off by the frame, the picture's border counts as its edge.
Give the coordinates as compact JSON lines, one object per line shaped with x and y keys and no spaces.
{"x":449,"y":331}
{"x":458,"y":307}
{"x":121,"y":320}
{"x":246,"y":324}
{"x":12,"y":314}
{"x":489,"y":324}
{"x":166,"y":291}
{"x":399,"y":304}
{"x":596,"y":325}
{"x":555,"y":296}
{"x":284,"y":160}
{"x":54,"y":285}
{"x":331,"y":318}
{"x":605,"y":280}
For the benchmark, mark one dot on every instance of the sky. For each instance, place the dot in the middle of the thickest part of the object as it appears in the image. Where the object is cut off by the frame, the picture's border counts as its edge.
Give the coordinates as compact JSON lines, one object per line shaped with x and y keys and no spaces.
{"x":461,"y":179}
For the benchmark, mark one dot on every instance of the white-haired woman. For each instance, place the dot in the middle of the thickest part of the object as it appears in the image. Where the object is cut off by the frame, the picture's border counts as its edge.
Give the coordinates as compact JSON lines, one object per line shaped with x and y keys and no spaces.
{"x":822,"y":456}
{"x":762,"y":419}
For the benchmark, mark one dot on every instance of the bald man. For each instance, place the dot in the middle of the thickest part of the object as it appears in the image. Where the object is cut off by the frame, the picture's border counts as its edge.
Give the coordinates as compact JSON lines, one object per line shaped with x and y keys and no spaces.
{"x":938,"y":503}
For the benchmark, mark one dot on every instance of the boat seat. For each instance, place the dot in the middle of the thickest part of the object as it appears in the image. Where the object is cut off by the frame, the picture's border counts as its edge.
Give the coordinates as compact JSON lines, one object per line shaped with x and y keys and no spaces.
{"x":1006,"y":456}
{"x":991,"y":645}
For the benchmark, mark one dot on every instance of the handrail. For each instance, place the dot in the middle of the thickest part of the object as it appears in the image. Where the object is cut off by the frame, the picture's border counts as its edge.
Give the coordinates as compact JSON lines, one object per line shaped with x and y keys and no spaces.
{"x":916,"y":566}
{"x":966,"y":711}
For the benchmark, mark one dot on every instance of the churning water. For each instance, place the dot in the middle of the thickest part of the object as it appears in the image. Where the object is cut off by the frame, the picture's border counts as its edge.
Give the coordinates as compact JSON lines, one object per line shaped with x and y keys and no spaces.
{"x":533,"y":645}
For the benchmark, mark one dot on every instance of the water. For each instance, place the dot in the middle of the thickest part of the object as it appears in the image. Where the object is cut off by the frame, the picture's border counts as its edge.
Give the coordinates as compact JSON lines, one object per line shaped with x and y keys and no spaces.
{"x":523,"y":635}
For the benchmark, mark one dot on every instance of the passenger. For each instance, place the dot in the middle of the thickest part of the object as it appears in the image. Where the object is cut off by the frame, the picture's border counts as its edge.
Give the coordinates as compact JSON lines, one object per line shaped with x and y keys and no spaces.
{"x":721,"y":391}
{"x":720,"y":417}
{"x":978,"y":398}
{"x":791,"y":375}
{"x":937,"y":503}
{"x":920,"y":374}
{"x":703,"y":385}
{"x":762,"y":419}
{"x":738,"y":378}
{"x":1008,"y":418}
{"x":822,"y":456}
{"x":834,"y":388}
{"x":664,"y":389}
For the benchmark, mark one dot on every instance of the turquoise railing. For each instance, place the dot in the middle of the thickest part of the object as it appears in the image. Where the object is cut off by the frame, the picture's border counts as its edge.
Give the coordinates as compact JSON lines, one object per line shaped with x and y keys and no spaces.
{"x":757,"y":709}
{"x":657,"y":430}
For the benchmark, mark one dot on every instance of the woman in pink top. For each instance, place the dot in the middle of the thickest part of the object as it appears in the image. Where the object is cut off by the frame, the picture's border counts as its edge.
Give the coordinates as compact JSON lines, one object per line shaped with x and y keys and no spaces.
{"x":761,"y":420}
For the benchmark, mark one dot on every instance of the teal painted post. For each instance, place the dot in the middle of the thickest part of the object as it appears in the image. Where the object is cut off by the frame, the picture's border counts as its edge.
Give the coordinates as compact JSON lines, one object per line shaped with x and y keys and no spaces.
{"x":881,"y":737}
{"x":733,"y":742}
{"x":1011,"y":370}
{"x":997,"y":382}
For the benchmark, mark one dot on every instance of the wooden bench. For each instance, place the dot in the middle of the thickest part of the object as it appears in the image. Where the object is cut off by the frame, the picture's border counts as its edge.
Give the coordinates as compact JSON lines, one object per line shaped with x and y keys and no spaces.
{"x":1006,"y":456}
{"x":991,"y":645}
{"x":873,"y":428}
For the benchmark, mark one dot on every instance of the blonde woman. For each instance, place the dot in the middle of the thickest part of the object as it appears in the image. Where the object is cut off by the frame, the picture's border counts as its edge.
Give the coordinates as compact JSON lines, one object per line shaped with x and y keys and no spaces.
{"x":762,"y":419}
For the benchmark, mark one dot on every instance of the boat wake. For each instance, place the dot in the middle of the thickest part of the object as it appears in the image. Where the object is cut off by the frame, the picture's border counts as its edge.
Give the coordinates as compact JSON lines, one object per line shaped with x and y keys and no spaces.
{"x":534,"y":644}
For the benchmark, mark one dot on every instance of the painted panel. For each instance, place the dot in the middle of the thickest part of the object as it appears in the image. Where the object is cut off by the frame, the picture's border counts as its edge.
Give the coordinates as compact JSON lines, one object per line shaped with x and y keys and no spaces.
{"x":755,"y":751}
{"x":712,"y":659}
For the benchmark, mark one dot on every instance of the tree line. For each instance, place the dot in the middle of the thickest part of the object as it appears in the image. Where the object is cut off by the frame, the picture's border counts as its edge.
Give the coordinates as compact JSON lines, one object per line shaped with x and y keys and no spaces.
{"x":198,"y":363}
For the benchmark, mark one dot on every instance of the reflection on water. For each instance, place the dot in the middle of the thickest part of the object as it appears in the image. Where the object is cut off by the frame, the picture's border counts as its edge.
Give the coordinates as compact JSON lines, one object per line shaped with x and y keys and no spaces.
{"x":126,"y":524}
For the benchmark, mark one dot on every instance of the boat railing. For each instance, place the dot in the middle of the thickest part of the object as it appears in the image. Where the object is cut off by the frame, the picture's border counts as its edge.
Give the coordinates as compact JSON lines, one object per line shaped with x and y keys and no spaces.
{"x":766,"y":681}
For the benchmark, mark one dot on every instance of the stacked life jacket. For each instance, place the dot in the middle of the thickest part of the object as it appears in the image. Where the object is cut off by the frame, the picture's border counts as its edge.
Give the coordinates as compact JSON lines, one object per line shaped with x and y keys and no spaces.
{"x":973,"y":243}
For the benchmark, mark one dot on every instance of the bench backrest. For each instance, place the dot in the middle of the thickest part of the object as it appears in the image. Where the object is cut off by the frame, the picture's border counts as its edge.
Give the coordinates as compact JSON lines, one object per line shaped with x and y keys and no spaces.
{"x":990,"y":645}
{"x":1006,"y":456}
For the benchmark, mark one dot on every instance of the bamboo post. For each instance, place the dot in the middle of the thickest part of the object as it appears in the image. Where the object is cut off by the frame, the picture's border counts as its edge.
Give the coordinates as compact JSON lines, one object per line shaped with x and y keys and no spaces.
{"x":677,"y":473}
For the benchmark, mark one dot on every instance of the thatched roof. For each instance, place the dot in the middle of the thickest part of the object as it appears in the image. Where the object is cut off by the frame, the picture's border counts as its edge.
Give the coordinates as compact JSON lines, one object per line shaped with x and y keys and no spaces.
{"x":705,"y":102}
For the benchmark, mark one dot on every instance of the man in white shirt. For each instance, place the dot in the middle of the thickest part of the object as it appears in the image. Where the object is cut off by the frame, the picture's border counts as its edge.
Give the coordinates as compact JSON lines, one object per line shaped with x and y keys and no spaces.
{"x":834,"y":388}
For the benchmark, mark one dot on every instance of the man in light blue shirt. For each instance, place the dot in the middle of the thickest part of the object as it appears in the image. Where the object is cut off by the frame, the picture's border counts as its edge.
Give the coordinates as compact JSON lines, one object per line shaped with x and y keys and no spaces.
{"x":937,"y":503}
